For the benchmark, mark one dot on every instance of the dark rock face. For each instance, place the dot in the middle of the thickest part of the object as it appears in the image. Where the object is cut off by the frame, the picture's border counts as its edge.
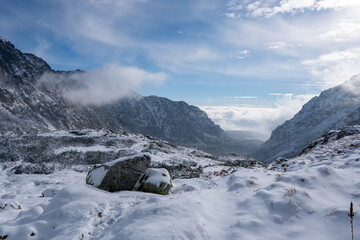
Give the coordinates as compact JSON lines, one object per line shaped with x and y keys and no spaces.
{"x":335,"y":108}
{"x":121,"y":174}
{"x":172,"y":121}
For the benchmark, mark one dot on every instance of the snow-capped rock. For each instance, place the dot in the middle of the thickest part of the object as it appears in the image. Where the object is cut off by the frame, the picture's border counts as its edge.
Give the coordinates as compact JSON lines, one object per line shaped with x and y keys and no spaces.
{"x":120,"y":174}
{"x":333,"y":109}
{"x":154,"y":180}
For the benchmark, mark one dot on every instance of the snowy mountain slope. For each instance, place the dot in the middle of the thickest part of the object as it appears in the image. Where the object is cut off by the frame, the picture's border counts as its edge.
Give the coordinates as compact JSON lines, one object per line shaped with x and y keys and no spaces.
{"x":168,"y":120}
{"x":333,"y":109}
{"x":26,"y":107}
{"x":306,"y":197}
{"x":48,"y":152}
{"x":29,"y":104}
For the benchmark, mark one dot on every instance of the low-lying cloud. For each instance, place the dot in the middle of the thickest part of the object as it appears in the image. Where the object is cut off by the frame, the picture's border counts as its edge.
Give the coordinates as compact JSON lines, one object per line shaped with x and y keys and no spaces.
{"x":108,"y":84}
{"x":257,"y":119}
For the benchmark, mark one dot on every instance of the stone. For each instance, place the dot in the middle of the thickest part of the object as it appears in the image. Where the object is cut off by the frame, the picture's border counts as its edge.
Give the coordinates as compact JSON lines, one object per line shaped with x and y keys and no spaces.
{"x":154,"y":180}
{"x":120,"y":174}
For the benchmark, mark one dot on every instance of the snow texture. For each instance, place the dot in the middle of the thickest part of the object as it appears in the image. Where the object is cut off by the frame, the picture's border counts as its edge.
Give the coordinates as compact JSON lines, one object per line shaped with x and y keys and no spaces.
{"x":96,"y":176}
{"x":112,"y":163}
{"x":155,"y":176}
{"x":306,"y":197}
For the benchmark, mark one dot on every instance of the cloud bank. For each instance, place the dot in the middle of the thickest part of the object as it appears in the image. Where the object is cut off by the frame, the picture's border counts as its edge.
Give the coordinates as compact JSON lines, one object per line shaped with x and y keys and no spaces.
{"x":336,"y":67}
{"x":104,"y":85}
{"x":257,"y":119}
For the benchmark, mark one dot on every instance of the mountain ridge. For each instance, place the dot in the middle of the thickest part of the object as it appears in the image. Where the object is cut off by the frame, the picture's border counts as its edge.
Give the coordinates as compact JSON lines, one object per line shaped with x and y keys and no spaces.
{"x":30,"y":105}
{"x":334,"y":108}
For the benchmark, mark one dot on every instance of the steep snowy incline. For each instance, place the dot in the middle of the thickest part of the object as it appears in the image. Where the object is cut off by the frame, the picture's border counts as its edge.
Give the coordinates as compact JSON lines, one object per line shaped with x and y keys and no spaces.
{"x":333,"y":109}
{"x":303,"y":198}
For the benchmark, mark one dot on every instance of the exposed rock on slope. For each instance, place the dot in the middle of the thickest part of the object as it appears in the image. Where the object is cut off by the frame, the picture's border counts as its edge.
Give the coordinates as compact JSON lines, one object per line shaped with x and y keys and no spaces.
{"x":333,"y":109}
{"x":172,"y":121}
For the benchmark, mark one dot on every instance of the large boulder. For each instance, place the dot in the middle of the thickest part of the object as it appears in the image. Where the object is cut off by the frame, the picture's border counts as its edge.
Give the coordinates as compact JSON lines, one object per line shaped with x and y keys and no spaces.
{"x":154,"y":180}
{"x":120,"y":174}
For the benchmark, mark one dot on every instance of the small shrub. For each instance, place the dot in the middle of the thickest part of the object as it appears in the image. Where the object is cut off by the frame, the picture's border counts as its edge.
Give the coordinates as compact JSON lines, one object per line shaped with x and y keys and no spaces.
{"x":290,"y":191}
{"x":351,"y":214}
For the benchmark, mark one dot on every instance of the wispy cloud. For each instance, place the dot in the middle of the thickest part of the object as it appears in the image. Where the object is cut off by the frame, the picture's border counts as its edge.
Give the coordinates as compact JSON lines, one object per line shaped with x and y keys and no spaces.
{"x":281,"y":94}
{"x":336,"y":67}
{"x":106,"y":85}
{"x":242,"y":97}
{"x":240,"y":54}
{"x":264,"y":8}
{"x":346,"y":30}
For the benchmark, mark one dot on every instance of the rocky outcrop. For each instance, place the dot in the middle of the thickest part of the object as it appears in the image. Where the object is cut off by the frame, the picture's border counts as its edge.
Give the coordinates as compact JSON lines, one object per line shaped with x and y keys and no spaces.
{"x":154,"y":180}
{"x":120,"y":174}
{"x":331,"y":136}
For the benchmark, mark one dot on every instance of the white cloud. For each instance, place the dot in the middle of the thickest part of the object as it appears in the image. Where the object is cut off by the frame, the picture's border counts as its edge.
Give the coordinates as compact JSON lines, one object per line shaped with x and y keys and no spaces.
{"x":242,"y":97}
{"x":108,"y":84}
{"x":346,"y":30}
{"x":336,"y":67}
{"x":258,"y":119}
{"x":240,"y":54}
{"x":281,"y":94}
{"x":277,"y":45}
{"x":183,"y":57}
{"x":266,"y":8}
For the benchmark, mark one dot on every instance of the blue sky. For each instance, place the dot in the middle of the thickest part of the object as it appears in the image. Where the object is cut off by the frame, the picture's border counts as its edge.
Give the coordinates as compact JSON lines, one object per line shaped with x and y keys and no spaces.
{"x":246,"y":63}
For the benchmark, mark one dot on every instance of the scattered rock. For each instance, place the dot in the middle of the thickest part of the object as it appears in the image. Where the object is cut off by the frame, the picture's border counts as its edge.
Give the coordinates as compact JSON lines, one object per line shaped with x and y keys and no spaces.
{"x":120,"y":174}
{"x":48,"y":193}
{"x":154,"y":180}
{"x":33,"y":169}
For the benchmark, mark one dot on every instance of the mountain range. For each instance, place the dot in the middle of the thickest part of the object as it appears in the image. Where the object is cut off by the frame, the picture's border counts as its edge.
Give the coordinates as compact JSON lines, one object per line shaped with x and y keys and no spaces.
{"x":33,"y":102}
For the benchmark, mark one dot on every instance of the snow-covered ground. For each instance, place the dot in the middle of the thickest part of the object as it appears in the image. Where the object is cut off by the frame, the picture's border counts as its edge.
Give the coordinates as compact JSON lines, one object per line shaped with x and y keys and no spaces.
{"x":307,"y":197}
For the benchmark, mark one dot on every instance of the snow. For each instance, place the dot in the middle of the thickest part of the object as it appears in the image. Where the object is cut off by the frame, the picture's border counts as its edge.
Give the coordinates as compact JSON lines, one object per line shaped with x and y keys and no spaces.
{"x":307,"y":197}
{"x":112,"y":163}
{"x":95,"y":148}
{"x":155,"y":176}
{"x":97,"y":175}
